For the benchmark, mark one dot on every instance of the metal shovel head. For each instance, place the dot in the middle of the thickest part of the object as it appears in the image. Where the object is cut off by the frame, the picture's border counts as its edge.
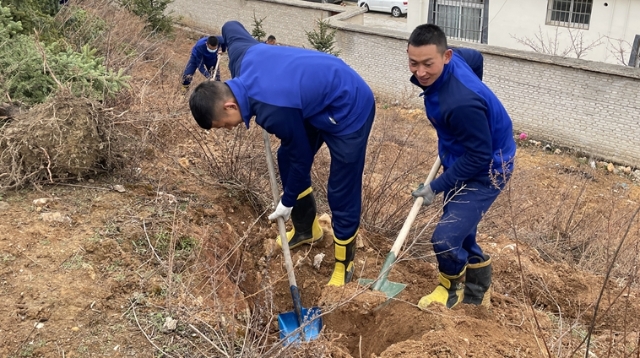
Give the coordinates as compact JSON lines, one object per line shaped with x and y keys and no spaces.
{"x":391,"y":289}
{"x":288,"y":324}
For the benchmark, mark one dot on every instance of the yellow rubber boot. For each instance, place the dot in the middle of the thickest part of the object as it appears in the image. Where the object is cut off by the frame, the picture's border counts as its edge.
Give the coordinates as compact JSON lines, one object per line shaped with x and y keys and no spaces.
{"x":345,"y":252}
{"x":306,"y":228}
{"x":448,"y":293}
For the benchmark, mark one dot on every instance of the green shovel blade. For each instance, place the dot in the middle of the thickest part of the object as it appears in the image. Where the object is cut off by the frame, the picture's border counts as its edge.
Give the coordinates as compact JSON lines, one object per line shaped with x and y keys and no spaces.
{"x":391,"y":289}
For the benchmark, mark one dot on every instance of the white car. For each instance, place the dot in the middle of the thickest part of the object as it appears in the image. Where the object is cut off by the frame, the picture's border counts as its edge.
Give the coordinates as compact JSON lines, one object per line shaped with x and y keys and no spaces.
{"x":397,"y":8}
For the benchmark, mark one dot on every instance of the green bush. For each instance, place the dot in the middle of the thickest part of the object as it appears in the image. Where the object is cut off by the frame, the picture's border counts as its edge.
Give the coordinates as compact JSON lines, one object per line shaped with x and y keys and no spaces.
{"x":34,"y":15}
{"x":8,"y":27}
{"x":30,"y":71}
{"x":153,"y":11}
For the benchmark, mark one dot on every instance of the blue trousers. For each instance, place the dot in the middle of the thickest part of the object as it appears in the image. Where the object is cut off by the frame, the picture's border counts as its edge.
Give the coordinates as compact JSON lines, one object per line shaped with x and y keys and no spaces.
{"x":198,"y":64}
{"x":454,"y":239}
{"x":344,"y":189}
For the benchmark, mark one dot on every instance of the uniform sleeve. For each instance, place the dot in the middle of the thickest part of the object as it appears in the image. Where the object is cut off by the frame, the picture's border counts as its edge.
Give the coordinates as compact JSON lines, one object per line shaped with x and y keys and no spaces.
{"x":473,"y":58}
{"x":237,"y":40}
{"x":287,"y":124}
{"x":470,"y":126}
{"x":203,"y":69}
{"x":198,"y":58}
{"x":222,"y":44}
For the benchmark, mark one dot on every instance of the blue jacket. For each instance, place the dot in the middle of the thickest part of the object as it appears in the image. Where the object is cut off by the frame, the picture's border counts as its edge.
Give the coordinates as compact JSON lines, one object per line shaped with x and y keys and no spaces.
{"x":203,"y":57}
{"x":286,"y":87}
{"x":475,"y":135}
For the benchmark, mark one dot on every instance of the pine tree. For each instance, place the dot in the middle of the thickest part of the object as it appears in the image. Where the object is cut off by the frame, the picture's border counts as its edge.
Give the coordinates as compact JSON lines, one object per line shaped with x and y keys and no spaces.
{"x":153,"y":11}
{"x":323,"y":39}
{"x":257,"y":32}
{"x":35,"y":15}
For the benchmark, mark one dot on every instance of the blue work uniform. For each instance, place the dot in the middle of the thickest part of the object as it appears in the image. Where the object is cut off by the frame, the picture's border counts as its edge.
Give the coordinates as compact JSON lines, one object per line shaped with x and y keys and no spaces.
{"x":477,"y":149}
{"x":203,"y":60}
{"x":306,"y":98}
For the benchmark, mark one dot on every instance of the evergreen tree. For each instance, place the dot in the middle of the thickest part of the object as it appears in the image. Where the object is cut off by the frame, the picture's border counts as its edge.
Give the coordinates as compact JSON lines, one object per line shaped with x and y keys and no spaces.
{"x":323,"y":39}
{"x":257,"y":32}
{"x":153,"y":11}
{"x":35,"y":15}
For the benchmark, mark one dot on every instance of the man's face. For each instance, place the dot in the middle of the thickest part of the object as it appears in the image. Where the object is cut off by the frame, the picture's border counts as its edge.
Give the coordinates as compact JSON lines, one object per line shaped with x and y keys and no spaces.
{"x":211,"y":48}
{"x":427,"y":63}
{"x":271,"y":42}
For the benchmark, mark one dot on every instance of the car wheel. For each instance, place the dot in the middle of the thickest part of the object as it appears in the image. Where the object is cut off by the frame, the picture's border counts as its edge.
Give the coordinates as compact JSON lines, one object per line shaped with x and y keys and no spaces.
{"x":365,"y":6}
{"x":396,"y":12}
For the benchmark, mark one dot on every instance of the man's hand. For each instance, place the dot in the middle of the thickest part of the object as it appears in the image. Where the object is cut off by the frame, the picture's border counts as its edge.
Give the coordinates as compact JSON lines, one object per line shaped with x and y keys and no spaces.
{"x":282,"y":211}
{"x":425,"y":192}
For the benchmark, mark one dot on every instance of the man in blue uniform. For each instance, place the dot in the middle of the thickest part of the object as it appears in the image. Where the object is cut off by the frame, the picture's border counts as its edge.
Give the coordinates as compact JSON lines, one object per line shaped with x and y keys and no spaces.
{"x":476,"y":147}
{"x":305,"y":98}
{"x":204,"y":57}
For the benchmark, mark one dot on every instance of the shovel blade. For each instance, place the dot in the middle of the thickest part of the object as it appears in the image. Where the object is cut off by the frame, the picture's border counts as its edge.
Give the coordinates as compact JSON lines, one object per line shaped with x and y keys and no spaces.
{"x":391,"y":289}
{"x":288,"y":324}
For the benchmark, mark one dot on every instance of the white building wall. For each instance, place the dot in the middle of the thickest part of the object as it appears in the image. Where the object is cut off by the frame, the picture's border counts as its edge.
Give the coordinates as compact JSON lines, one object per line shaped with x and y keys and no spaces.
{"x":610,"y":35}
{"x":586,"y":105}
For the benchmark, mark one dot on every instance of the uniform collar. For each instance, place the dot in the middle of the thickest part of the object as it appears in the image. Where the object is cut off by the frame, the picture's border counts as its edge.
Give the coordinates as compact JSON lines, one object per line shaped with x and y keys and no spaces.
{"x":242,"y":97}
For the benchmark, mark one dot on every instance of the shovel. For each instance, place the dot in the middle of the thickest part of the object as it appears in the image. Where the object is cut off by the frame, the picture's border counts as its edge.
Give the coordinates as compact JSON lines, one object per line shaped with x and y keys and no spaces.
{"x":392,"y":289}
{"x":290,"y":323}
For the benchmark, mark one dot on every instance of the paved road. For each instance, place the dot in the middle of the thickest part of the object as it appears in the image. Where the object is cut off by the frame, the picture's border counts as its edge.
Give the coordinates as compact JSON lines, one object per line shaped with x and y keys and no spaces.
{"x":378,"y":19}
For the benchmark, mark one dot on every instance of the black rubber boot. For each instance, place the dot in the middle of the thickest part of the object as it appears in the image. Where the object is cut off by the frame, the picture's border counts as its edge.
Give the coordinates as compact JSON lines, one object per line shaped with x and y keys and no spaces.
{"x":306,"y":228}
{"x":477,"y":290}
{"x":345,"y":252}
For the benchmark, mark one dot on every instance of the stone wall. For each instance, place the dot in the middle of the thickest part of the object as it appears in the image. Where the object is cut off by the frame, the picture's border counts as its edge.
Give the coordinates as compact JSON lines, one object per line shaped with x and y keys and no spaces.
{"x":590,"y":106}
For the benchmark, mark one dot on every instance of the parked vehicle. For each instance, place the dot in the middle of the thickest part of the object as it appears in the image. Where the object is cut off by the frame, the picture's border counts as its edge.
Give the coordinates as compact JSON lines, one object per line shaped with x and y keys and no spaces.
{"x":397,"y":8}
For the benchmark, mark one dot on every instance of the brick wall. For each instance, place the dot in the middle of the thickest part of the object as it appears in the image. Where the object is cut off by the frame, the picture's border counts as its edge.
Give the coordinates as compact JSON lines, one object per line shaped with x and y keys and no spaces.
{"x":590,"y":106}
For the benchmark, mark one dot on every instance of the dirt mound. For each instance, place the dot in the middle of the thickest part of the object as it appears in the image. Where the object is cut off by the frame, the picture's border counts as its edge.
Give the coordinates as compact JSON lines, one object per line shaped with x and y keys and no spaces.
{"x":64,"y":138}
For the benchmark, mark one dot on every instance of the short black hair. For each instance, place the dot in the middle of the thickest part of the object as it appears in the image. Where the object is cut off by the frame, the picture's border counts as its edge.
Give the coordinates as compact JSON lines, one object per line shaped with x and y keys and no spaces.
{"x":212,"y":41}
{"x":207,"y":100}
{"x":429,"y":34}
{"x":271,"y":38}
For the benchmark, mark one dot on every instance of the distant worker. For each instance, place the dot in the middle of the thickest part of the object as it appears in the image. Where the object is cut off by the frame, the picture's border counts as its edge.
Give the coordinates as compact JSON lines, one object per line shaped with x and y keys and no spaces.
{"x":271,"y":40}
{"x":204,"y":57}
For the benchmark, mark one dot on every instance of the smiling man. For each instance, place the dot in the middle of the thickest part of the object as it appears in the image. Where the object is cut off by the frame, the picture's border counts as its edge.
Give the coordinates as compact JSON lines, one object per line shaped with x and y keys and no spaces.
{"x":305,"y":98}
{"x":476,"y":147}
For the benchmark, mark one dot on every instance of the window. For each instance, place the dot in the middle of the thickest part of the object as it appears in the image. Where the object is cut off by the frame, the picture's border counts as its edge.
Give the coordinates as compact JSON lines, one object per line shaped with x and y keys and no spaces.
{"x":569,"y":13}
{"x":460,"y":19}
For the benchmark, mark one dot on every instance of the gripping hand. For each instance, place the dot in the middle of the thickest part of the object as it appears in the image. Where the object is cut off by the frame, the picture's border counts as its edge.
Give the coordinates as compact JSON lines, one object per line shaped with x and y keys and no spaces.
{"x":425,"y":193}
{"x":282,"y":211}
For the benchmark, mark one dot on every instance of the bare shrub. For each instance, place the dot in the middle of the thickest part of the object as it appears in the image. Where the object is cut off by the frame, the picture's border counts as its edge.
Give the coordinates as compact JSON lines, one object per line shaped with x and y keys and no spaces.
{"x":235,"y":159}
{"x":67,"y":137}
{"x":397,"y":161}
{"x":573,"y":228}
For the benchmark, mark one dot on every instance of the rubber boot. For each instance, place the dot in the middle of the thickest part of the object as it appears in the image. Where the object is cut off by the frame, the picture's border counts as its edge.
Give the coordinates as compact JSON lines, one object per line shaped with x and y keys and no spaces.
{"x":345,"y":251}
{"x":448,"y":293}
{"x":477,"y":290}
{"x":306,"y":228}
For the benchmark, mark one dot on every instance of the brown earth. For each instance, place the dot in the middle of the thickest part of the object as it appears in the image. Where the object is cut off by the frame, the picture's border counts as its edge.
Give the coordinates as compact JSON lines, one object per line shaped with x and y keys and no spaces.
{"x":97,"y":271}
